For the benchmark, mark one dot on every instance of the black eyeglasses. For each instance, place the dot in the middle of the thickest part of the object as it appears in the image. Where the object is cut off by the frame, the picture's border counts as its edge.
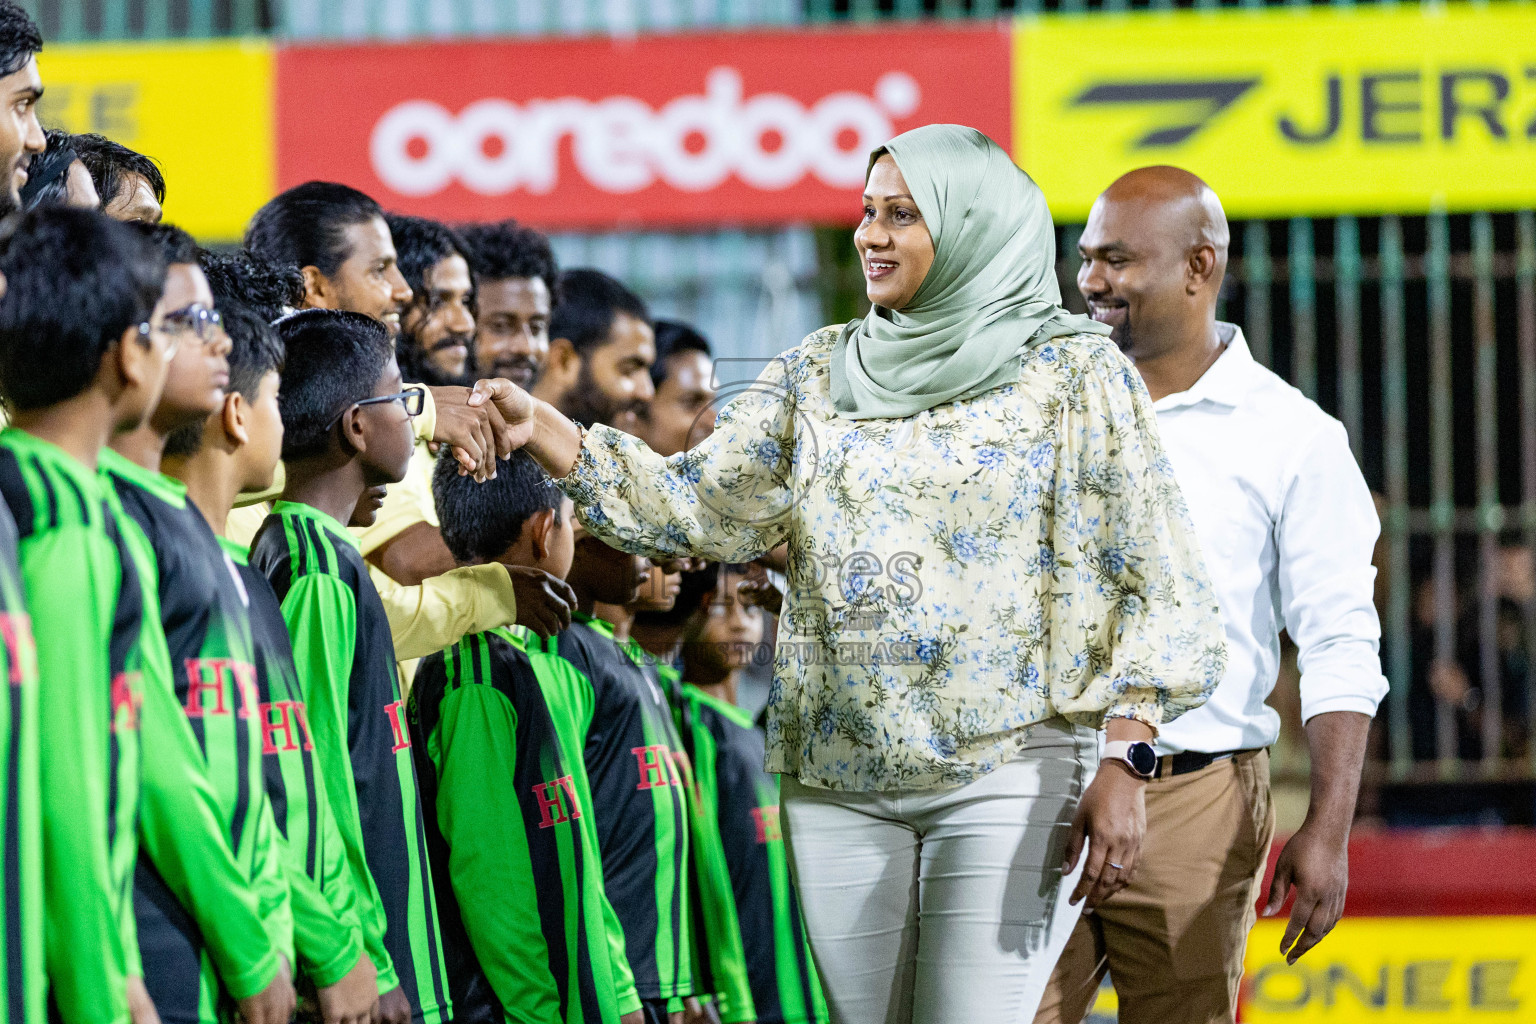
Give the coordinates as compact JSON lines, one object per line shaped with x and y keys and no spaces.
{"x":414,"y":399}
{"x":207,"y":324}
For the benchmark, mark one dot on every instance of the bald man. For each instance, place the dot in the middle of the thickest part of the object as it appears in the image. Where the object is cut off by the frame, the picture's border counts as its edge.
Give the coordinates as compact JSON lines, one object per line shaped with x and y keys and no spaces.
{"x":1287,"y":527}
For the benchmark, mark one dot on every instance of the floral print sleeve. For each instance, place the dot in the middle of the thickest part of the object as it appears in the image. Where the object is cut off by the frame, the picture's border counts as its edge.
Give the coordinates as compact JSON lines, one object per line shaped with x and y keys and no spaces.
{"x":1134,"y":617}
{"x":726,"y":499}
{"x":954,"y":577}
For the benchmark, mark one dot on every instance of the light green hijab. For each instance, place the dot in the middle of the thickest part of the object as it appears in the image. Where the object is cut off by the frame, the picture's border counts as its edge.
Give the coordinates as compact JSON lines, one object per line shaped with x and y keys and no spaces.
{"x":990,"y":293}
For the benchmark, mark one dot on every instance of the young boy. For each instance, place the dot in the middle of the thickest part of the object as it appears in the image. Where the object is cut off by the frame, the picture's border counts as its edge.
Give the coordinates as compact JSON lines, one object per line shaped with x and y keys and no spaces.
{"x":82,"y":354}
{"x":237,"y":449}
{"x":739,"y":803}
{"x":210,"y":902}
{"x":497,"y":732}
{"x":632,"y":755}
{"x":347,"y":435}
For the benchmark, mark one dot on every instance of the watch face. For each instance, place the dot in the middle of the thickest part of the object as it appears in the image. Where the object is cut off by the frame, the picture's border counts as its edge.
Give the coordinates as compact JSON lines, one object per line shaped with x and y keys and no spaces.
{"x":1143,"y":758}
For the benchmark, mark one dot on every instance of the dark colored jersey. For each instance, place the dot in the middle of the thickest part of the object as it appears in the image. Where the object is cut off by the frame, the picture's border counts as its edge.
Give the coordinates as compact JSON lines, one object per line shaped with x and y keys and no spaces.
{"x":23,"y":990}
{"x":193,"y":915}
{"x":739,"y":802}
{"x":327,"y":936}
{"x":631,"y":751}
{"x":346,"y":666}
{"x":526,"y":924}
{"x":81,"y":591}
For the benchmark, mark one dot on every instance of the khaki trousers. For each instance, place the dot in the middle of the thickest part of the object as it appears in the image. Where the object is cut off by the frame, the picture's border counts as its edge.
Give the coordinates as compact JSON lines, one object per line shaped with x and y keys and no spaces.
{"x":1173,"y":940}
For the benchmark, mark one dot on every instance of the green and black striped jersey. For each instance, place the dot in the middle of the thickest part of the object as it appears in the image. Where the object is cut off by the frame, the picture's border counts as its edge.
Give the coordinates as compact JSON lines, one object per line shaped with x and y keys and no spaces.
{"x":83,"y":597}
{"x":632,"y":755}
{"x":346,"y":665}
{"x":739,"y":802}
{"x":187,"y":907}
{"x":528,"y":930}
{"x":23,"y":991}
{"x":327,"y":936}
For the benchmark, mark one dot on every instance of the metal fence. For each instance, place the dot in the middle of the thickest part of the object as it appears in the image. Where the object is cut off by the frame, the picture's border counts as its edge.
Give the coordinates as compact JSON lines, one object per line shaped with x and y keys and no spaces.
{"x":1419,"y":333}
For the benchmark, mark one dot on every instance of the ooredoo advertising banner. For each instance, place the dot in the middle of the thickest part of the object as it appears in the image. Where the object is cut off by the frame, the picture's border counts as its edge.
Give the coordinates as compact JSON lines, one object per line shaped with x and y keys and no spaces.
{"x":745,"y":128}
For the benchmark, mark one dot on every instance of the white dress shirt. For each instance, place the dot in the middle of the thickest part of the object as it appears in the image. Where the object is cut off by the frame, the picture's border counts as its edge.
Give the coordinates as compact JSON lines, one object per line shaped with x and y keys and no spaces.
{"x":1287,"y":527}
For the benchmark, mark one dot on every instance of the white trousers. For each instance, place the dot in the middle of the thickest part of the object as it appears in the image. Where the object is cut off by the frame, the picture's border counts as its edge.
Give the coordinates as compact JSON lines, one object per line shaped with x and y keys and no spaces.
{"x":947,"y":906}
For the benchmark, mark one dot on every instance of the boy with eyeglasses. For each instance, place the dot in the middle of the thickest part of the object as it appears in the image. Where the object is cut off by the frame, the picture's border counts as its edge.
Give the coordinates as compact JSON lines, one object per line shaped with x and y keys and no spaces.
{"x":233,"y":450}
{"x":75,"y":365}
{"x":210,"y":900}
{"x":347,"y":436}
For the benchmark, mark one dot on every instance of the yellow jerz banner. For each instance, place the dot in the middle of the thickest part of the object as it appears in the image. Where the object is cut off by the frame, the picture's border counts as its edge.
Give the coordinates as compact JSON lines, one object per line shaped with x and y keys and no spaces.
{"x":1285,"y":112}
{"x":203,"y":110}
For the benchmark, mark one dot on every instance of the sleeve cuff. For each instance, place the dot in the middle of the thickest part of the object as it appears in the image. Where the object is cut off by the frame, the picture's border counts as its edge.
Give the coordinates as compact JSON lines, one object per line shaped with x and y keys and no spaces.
{"x":249,"y":983}
{"x":629,"y":1002}
{"x":329,"y":973}
{"x":1339,"y":702}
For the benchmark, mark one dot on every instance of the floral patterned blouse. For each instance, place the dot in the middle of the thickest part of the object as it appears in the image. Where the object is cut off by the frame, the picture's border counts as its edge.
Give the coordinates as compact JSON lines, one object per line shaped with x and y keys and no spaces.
{"x":953,"y":576}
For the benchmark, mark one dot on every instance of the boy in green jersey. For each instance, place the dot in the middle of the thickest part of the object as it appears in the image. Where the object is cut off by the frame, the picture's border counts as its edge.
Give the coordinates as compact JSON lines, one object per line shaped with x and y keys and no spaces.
{"x":347,"y":435}
{"x":210,"y":902}
{"x":738,"y":803}
{"x":498,"y":733}
{"x":82,"y":355}
{"x":237,"y":449}
{"x":638,"y":774}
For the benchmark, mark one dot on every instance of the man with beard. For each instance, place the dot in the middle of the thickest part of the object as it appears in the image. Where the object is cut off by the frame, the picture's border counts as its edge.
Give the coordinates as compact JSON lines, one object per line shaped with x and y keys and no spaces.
{"x":437,"y":327}
{"x":600,"y":353}
{"x":341,"y":243}
{"x":131,"y":187}
{"x":21,"y":137}
{"x":515,"y":279}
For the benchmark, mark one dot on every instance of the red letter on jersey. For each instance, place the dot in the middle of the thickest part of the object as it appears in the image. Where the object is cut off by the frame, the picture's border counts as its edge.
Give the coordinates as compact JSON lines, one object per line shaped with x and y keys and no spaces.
{"x":196,"y":685}
{"x":654,"y":764}
{"x":548,"y":796}
{"x":20,"y":651}
{"x":284,"y":724}
{"x":395,"y":709}
{"x":767,"y":819}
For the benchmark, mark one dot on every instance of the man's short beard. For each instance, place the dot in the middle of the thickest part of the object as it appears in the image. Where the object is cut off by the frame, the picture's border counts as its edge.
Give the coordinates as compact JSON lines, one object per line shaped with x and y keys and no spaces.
{"x":587,"y":403}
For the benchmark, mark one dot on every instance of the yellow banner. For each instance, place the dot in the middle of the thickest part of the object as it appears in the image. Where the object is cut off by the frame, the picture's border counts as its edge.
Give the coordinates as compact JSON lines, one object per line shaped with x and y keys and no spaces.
{"x":203,"y":110}
{"x":1385,"y":970}
{"x":1369,"y":109}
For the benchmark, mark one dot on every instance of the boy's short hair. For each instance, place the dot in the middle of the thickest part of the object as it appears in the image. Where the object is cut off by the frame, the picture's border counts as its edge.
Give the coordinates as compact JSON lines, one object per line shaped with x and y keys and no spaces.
{"x":479,"y":521}
{"x":76,"y":281}
{"x":331,"y":359}
{"x":590,"y":301}
{"x":111,"y":163}
{"x":174,"y":243}
{"x":306,"y":225}
{"x":266,"y":287}
{"x":255,"y":350}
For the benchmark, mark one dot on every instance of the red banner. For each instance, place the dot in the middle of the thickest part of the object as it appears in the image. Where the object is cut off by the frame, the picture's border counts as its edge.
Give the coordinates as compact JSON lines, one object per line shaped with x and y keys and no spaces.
{"x":749,"y":129}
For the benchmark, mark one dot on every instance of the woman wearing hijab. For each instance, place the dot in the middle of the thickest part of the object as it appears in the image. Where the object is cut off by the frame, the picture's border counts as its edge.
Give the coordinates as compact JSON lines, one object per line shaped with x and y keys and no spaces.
{"x":989,"y":560}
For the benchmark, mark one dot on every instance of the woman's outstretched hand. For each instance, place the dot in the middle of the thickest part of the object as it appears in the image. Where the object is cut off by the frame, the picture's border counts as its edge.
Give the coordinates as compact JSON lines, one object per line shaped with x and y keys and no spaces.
{"x":517,"y":409}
